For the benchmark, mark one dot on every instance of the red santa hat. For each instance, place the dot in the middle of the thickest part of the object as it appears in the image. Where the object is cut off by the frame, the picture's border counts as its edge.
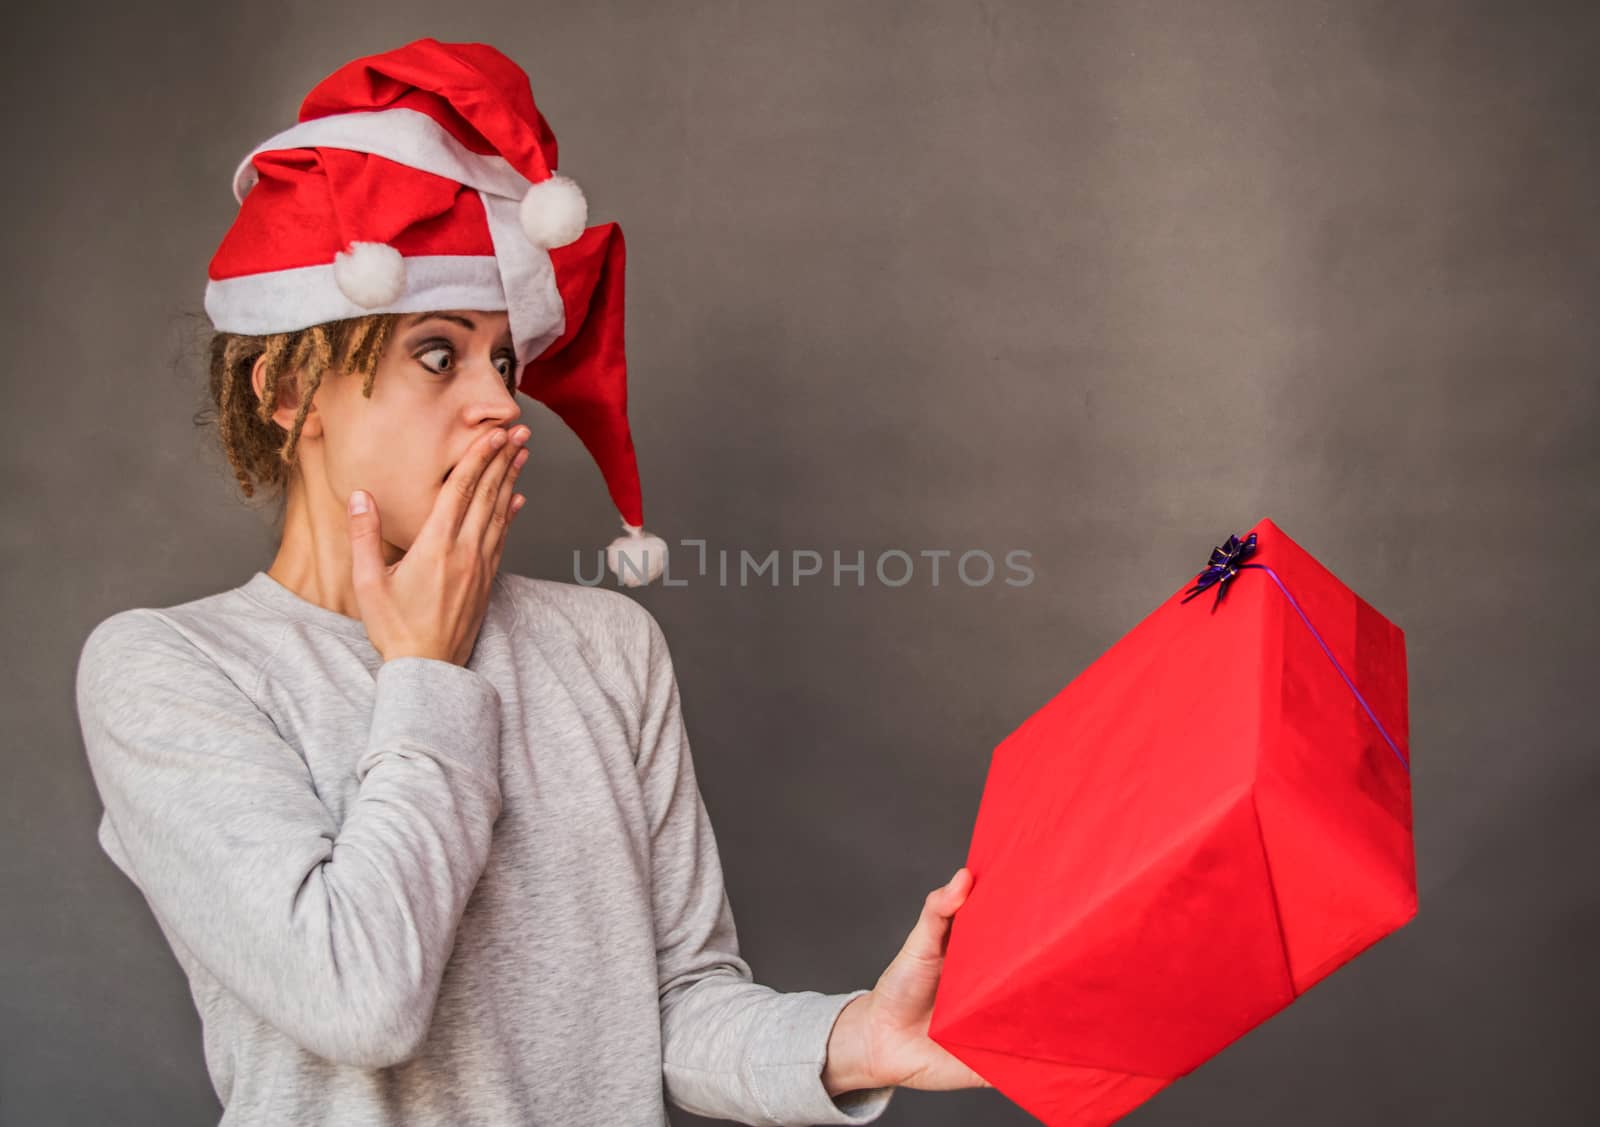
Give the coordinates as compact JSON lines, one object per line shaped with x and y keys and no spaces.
{"x":425,"y":178}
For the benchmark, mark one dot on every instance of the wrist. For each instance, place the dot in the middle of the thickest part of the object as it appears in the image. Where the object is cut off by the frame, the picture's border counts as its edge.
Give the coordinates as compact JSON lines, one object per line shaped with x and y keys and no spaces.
{"x":848,"y":1066}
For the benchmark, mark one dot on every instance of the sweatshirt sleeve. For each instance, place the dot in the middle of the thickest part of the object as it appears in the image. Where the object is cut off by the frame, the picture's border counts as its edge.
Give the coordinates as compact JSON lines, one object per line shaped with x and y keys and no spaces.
{"x":732,"y":1048}
{"x":337,"y":935}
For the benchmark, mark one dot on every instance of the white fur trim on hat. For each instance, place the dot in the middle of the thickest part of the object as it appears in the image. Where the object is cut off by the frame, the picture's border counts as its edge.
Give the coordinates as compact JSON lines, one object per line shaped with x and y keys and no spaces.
{"x":277,"y":301}
{"x":370,"y":274}
{"x":554,"y":212}
{"x":636,"y":558}
{"x":404,"y":136}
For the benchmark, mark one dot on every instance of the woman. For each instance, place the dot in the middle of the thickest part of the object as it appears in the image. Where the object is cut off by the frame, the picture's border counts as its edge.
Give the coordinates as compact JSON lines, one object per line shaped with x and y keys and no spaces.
{"x":426,"y":836}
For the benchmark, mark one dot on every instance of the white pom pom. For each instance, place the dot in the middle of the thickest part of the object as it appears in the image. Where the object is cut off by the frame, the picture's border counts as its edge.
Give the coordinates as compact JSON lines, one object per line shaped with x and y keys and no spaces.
{"x":370,"y":274}
{"x":554,"y":212}
{"x":636,"y":558}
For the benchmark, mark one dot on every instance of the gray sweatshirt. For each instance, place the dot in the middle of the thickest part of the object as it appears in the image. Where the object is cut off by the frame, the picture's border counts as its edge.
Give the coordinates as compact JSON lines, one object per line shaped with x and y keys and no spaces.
{"x":411,"y":892}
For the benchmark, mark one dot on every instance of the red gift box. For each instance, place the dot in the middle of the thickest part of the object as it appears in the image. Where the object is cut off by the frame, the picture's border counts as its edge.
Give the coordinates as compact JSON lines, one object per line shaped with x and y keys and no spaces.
{"x":1211,"y":818}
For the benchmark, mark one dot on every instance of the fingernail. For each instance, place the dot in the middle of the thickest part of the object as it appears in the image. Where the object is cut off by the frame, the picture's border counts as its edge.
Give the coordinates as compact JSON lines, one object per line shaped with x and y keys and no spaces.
{"x":358,"y":502}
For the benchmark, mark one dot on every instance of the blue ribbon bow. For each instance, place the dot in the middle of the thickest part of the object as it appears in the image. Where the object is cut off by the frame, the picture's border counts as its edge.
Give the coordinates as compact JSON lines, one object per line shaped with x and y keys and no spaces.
{"x":1227,"y":561}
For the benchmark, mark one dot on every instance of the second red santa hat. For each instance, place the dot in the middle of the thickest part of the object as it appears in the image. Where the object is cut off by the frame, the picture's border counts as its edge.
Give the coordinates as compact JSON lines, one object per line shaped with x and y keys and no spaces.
{"x":425,"y":178}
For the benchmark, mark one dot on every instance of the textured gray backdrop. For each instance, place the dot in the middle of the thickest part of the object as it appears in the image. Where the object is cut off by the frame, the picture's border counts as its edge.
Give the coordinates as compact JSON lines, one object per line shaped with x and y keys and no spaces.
{"x":1097,"y":281}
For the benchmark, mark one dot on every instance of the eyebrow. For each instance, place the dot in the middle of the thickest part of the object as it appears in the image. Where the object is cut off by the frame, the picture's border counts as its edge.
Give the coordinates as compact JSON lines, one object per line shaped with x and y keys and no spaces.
{"x":465,"y":322}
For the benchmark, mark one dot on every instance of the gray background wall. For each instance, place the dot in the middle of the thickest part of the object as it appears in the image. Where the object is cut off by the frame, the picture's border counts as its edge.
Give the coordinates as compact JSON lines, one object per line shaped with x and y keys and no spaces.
{"x":1099,"y":281}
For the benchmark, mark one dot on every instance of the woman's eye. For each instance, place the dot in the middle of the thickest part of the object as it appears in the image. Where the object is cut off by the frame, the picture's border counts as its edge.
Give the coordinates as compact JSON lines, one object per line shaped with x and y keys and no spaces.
{"x":432,"y":351}
{"x":506,"y":364}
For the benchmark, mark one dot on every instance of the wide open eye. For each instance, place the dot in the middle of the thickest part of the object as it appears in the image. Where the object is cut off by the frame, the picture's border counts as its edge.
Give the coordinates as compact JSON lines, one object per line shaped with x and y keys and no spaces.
{"x":445,"y":366}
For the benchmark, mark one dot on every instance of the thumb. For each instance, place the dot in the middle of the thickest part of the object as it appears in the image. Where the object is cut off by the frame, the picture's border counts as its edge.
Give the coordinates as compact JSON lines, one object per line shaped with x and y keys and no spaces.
{"x":366,"y":545}
{"x":932,"y":931}
{"x":955,"y":893}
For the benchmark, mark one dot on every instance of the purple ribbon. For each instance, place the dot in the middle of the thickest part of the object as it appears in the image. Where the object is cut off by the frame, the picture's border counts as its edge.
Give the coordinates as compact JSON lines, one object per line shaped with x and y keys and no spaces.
{"x":1225,"y":565}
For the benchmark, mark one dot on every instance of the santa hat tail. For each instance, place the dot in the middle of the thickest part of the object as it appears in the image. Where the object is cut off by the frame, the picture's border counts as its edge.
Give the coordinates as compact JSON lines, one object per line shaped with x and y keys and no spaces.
{"x":583,"y":377}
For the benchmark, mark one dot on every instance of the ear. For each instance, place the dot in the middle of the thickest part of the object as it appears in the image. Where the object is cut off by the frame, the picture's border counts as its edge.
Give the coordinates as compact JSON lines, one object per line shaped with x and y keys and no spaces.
{"x":288,"y":404}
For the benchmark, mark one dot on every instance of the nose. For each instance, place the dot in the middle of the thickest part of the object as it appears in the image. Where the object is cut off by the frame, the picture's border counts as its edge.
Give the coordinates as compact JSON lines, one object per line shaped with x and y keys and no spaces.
{"x":493,"y":401}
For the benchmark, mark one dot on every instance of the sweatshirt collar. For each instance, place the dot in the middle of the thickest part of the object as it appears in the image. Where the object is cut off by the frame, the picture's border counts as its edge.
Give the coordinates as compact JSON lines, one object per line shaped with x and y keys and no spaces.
{"x":267,"y":591}
{"x":273,"y":595}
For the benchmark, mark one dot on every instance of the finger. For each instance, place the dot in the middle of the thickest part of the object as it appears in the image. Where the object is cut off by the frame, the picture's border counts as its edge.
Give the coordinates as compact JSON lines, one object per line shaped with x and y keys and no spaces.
{"x":928,"y":938}
{"x":366,"y":540}
{"x":503,"y":501}
{"x":517,"y":500}
{"x":959,"y":888}
{"x":444,"y":521}
{"x":952,"y":895}
{"x":512,"y":501}
{"x":487,"y":511}
{"x":502,"y":505}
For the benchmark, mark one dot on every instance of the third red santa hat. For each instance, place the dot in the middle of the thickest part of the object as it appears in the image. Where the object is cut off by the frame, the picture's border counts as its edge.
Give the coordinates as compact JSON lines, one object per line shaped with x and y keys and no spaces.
{"x":425,"y":178}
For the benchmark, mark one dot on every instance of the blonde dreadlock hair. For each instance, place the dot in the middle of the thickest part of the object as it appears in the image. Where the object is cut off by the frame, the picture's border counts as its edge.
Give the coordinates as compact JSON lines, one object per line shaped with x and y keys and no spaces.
{"x":259,"y":450}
